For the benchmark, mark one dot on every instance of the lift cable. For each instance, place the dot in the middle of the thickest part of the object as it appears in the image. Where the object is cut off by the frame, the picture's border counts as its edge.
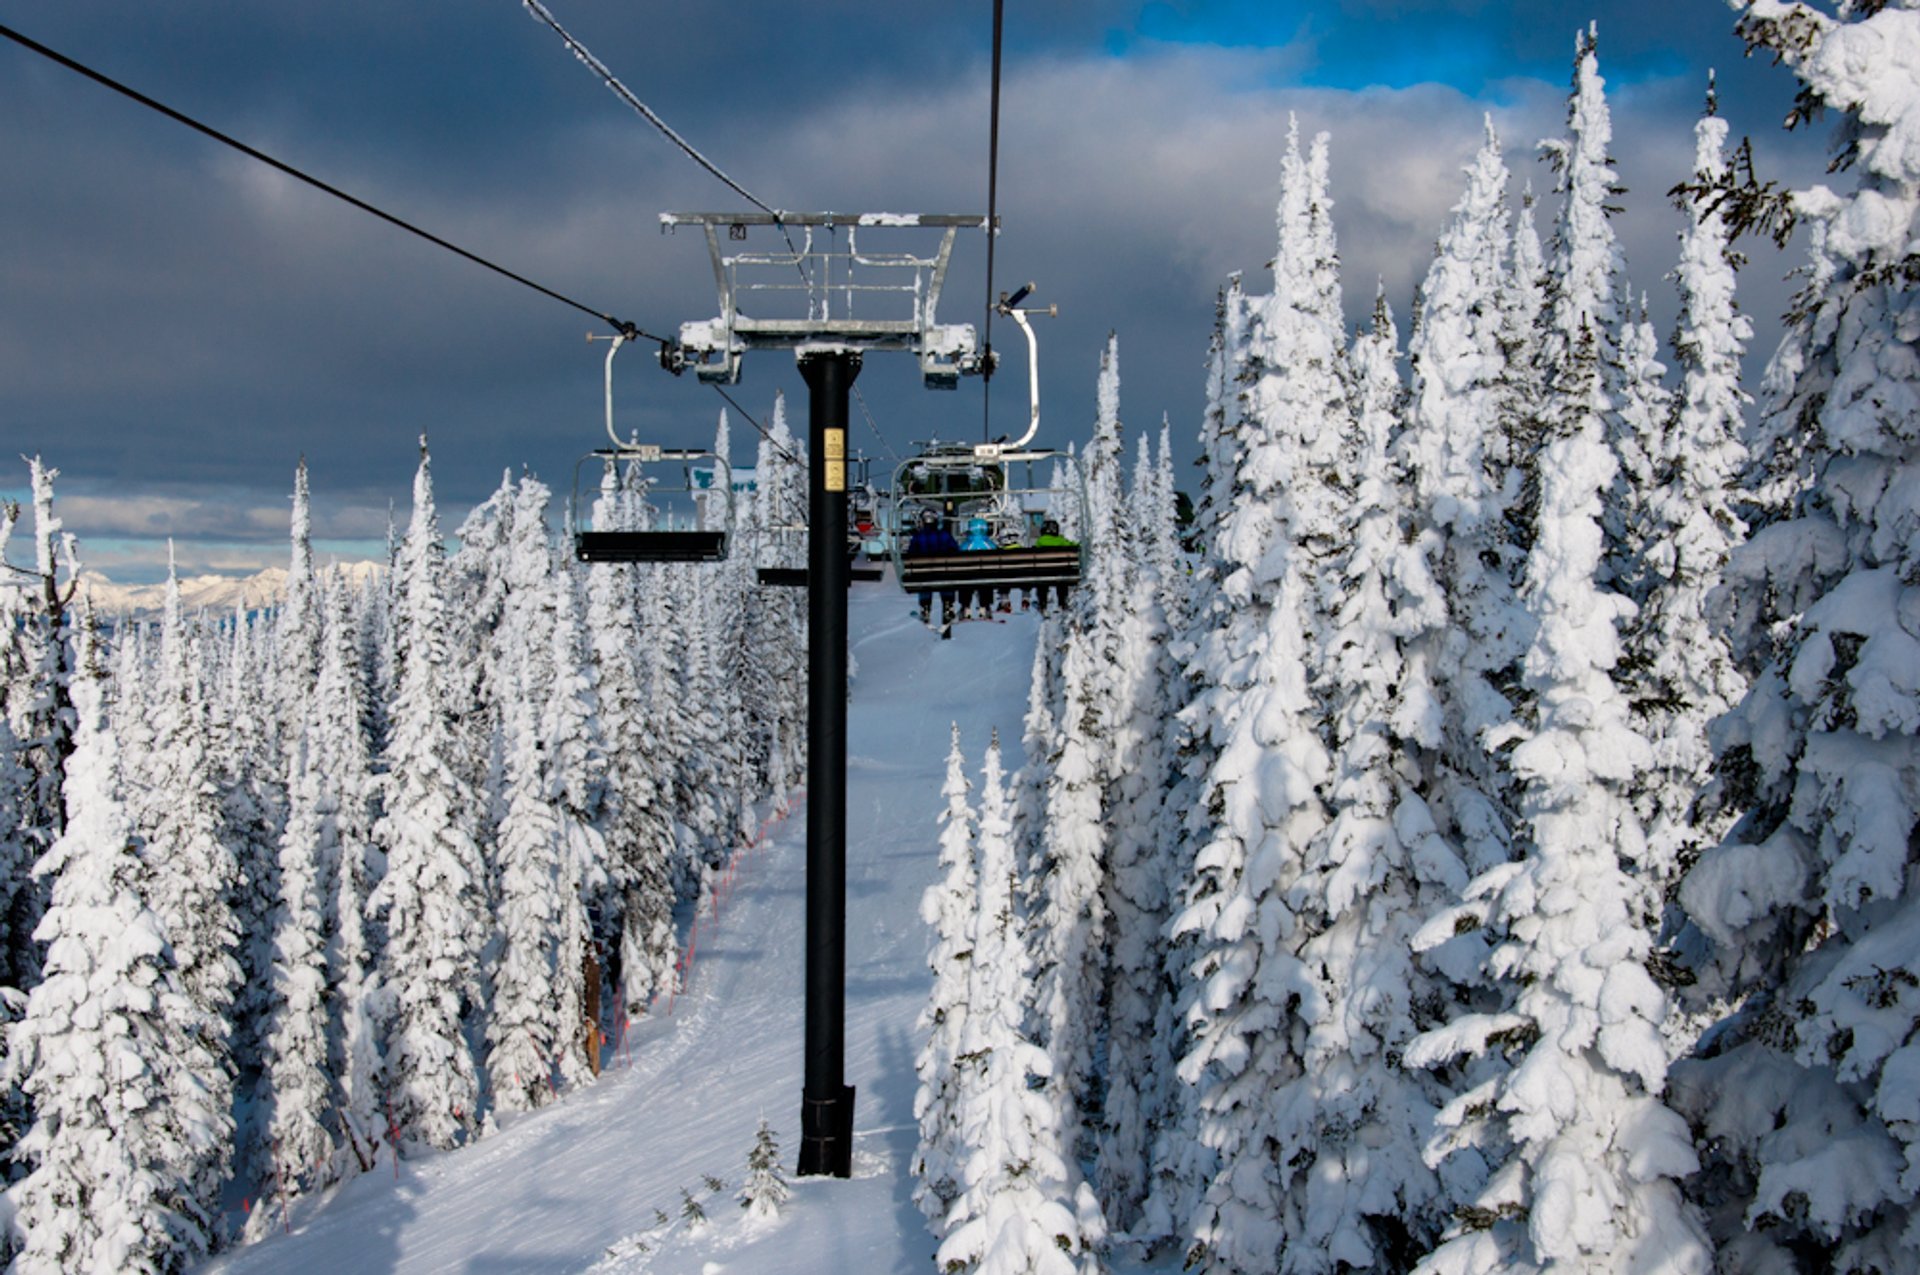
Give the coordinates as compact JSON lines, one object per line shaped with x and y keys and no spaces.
{"x":874,"y":425}
{"x":993,"y":195}
{"x":625,"y":94}
{"x":618,"y":325}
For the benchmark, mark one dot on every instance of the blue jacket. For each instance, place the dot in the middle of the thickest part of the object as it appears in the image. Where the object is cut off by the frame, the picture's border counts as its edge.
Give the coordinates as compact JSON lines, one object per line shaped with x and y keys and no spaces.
{"x":931,"y":540}
{"x":977,"y":537}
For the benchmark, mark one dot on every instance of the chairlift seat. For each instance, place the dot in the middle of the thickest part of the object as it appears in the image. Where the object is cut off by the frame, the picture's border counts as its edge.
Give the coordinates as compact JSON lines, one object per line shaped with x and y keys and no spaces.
{"x":1011,"y":568}
{"x":650,"y":546}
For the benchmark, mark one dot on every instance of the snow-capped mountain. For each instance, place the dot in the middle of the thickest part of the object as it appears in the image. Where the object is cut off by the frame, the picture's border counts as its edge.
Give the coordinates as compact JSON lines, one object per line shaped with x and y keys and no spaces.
{"x":204,"y":592}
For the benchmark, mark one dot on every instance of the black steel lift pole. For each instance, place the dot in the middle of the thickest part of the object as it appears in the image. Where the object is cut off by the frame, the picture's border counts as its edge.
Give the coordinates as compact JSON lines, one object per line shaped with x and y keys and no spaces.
{"x":826,"y":1110}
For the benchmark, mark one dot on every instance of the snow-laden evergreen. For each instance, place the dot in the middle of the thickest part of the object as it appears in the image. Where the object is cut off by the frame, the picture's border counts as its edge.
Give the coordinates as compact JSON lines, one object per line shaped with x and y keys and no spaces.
{"x":194,"y":877}
{"x":1071,"y":865}
{"x":638,"y":823}
{"x":948,"y":909}
{"x":433,"y":897}
{"x":1807,"y":1098}
{"x":338,"y":746}
{"x":1567,"y":1107}
{"x":576,"y":768}
{"x":765,"y":1189}
{"x":1377,"y":867}
{"x":1247,"y":996}
{"x":1140,"y":871}
{"x":99,"y":1050}
{"x":1017,"y":1212}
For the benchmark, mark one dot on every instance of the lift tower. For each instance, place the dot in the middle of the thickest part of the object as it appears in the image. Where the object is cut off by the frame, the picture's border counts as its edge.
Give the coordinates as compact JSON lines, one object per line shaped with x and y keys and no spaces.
{"x":850,"y":301}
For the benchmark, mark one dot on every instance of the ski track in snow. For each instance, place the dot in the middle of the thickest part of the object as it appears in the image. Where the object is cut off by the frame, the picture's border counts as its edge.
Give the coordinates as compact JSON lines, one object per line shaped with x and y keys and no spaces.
{"x":554,"y":1190}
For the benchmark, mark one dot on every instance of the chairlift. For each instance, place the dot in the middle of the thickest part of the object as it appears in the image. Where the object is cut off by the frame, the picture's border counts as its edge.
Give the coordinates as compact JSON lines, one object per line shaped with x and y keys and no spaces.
{"x":953,"y":484}
{"x":685,"y":507}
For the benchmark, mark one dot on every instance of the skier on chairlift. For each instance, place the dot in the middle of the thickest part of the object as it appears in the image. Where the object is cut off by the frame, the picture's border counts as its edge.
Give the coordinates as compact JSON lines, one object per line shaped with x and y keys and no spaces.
{"x":979,"y":602}
{"x":932,"y":538}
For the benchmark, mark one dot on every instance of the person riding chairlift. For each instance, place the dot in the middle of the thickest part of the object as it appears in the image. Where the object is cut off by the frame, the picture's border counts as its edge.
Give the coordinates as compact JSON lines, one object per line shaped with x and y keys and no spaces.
{"x":980,"y":602}
{"x":931,"y":538}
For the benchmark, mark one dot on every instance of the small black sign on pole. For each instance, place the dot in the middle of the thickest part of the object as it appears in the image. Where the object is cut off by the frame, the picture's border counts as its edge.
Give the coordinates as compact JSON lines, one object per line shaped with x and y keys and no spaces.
{"x":826,"y":1111}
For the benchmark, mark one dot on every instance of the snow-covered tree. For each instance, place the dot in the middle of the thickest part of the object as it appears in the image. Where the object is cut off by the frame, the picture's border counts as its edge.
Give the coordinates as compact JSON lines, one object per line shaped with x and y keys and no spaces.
{"x":1375,"y":870}
{"x":354,"y":864}
{"x":193,"y":878}
{"x":99,"y":1050}
{"x":295,"y":1088}
{"x":1679,"y":669}
{"x":576,"y":770}
{"x":1807,"y":1099}
{"x":1138,"y":896}
{"x":1470,"y":631}
{"x":1070,"y":870}
{"x":1567,"y":1104}
{"x":638,"y":818}
{"x":766,"y":1188}
{"x":433,"y":897}
{"x":522,"y":1026}
{"x":1246,"y":995}
{"x":1018,"y":1210}
{"x":947,"y":908}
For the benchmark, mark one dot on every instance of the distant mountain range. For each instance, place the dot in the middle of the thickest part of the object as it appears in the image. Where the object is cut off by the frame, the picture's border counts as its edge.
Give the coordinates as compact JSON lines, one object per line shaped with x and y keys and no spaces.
{"x":204,"y":593}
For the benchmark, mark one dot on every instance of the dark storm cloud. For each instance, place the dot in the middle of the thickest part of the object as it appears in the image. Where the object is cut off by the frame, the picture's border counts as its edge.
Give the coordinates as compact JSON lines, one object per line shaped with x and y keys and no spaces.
{"x":179,"y":325}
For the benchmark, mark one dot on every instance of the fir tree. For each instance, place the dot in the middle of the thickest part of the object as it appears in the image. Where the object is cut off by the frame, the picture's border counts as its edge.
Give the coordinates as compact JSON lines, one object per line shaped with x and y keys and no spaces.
{"x":193,"y":880}
{"x":576,"y":762}
{"x":1805,"y":1100}
{"x":1017,"y":1210}
{"x":1246,"y":998}
{"x":765,"y":1189}
{"x":947,"y":908}
{"x":1138,"y":996}
{"x":1376,"y":869}
{"x":433,"y":896}
{"x":99,"y":1049}
{"x":1585,"y":1156}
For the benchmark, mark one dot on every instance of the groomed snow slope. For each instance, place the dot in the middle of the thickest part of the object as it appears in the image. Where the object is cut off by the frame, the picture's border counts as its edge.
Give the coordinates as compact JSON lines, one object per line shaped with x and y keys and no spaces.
{"x":553,"y":1191}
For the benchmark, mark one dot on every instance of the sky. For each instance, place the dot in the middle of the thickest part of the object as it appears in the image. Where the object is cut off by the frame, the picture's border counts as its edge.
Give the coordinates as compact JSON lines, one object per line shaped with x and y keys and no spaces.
{"x":179,"y":324}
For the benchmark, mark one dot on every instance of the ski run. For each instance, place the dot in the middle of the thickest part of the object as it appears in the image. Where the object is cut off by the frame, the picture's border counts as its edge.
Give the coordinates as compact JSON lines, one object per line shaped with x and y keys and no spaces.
{"x":1476,"y":836}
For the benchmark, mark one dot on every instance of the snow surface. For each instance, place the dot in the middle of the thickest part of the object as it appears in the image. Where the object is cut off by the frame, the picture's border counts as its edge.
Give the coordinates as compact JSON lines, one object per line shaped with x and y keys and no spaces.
{"x":556,"y":1189}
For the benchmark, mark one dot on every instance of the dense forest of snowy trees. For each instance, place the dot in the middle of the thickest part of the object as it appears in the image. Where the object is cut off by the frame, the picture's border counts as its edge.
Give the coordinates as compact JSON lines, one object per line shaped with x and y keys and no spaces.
{"x":1495,"y":848}
{"x":292,"y":890}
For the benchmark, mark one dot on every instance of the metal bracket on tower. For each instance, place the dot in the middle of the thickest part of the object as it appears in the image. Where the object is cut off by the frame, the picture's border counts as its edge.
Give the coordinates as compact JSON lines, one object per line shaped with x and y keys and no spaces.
{"x":827,"y":290}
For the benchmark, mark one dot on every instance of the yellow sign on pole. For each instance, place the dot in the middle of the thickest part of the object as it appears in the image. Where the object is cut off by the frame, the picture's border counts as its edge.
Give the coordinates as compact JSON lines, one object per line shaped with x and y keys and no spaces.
{"x":834,"y":445}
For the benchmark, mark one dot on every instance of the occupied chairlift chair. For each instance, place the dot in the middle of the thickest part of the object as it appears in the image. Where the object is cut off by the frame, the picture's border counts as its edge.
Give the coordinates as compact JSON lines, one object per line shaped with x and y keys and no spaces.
{"x":694,"y":529}
{"x":958,"y":483}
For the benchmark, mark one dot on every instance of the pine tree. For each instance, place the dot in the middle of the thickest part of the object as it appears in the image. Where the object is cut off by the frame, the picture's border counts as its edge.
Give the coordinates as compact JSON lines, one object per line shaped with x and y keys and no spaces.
{"x":193,"y":878}
{"x":1376,"y":869}
{"x":1680,"y":670}
{"x":639,"y":824}
{"x":99,"y":1049}
{"x":576,"y":760}
{"x":1804,"y":1100}
{"x":1071,"y":869}
{"x":433,"y":895}
{"x":522,"y":1027}
{"x":1568,"y":1110}
{"x":1246,"y":996}
{"x":342,"y":759}
{"x":1138,"y":997}
{"x":1017,"y":1210}
{"x":947,"y":908}
{"x":295,"y":1085}
{"x":765,"y":1190}
{"x":1470,"y":631}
